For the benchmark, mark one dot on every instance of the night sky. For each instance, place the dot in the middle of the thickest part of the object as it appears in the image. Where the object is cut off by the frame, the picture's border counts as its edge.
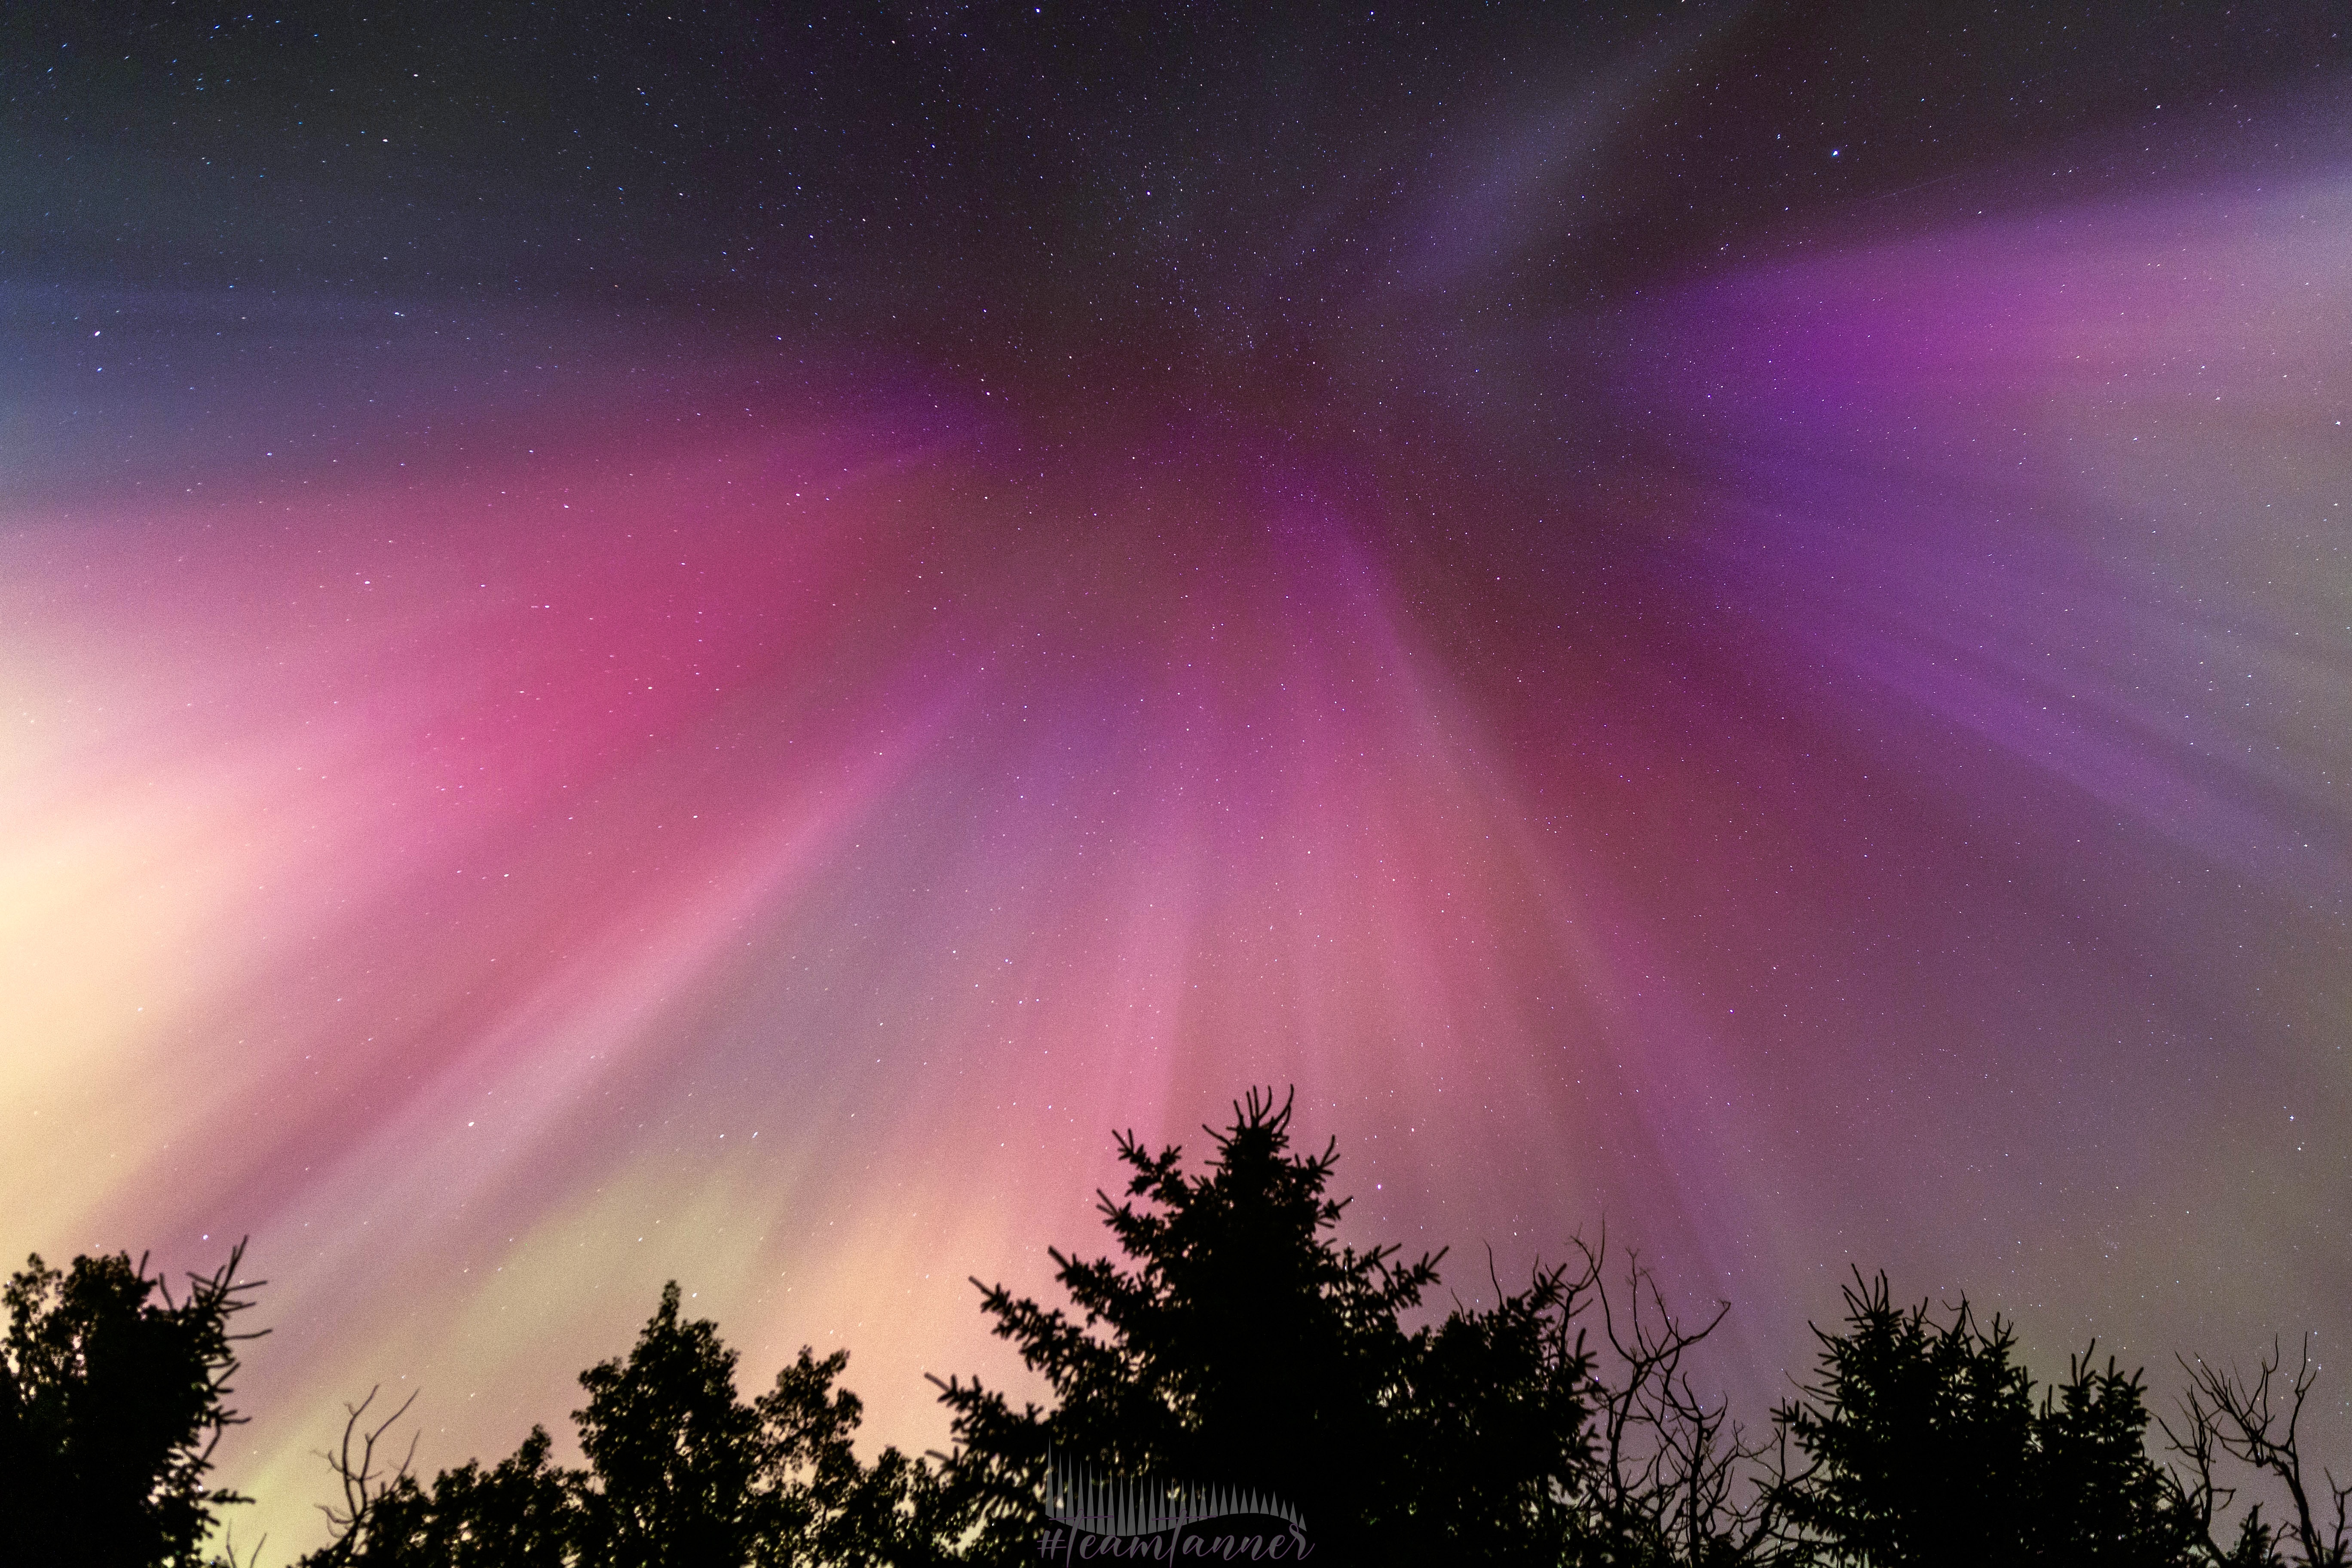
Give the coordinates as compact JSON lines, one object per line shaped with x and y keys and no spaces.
{"x":706,"y":642}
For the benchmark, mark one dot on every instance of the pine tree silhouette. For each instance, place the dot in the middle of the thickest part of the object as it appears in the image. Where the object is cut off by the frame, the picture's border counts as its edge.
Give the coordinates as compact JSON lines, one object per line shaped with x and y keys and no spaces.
{"x":1928,"y":1448}
{"x":1246,"y":1347}
{"x":112,"y":1396}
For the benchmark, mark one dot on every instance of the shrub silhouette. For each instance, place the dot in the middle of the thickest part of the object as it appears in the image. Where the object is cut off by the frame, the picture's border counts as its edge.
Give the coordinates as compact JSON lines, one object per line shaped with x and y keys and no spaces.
{"x":112,"y":1396}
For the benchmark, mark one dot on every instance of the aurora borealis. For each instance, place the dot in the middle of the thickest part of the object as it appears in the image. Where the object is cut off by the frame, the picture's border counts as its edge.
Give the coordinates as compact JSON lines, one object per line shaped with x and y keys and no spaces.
{"x":1676,"y":637}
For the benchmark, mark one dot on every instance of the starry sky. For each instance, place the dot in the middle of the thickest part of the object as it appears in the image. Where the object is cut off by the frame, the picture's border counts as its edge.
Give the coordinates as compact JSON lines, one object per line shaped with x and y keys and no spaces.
{"x":706,"y":642}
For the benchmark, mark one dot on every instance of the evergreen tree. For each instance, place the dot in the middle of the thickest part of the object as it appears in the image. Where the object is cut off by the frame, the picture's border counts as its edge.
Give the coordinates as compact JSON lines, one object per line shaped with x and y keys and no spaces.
{"x":1246,"y":1347}
{"x":112,"y":1396}
{"x":1929,"y":1449}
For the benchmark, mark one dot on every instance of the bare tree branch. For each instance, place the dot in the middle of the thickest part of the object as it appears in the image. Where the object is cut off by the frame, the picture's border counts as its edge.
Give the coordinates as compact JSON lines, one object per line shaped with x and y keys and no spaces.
{"x":363,"y":1484}
{"x":2257,"y":1422}
{"x":1673,"y":1470}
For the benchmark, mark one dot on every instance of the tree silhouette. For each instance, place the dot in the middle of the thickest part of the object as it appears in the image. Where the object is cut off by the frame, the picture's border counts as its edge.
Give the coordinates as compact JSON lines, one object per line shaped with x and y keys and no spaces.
{"x":676,"y":1454}
{"x":1236,"y":1342}
{"x":828,"y":1507}
{"x":2225,"y":1416}
{"x":1245,"y":1346}
{"x":1928,"y":1448}
{"x":112,"y":1396}
{"x":681,"y":1474}
{"x":521,"y":1513}
{"x":1674,"y":1480}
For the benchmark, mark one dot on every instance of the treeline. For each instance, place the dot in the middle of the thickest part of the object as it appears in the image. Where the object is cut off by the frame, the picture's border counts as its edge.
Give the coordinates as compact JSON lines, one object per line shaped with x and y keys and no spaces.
{"x":1234,"y":1343}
